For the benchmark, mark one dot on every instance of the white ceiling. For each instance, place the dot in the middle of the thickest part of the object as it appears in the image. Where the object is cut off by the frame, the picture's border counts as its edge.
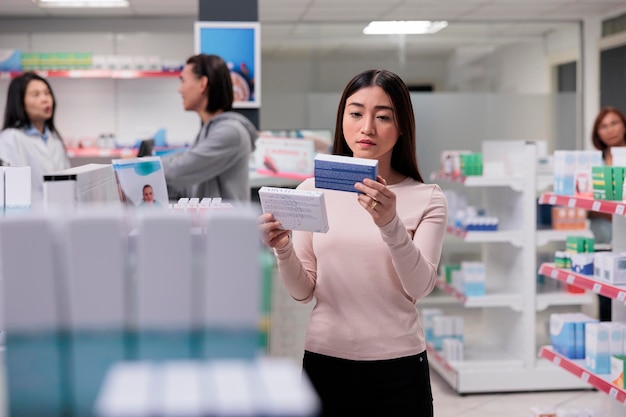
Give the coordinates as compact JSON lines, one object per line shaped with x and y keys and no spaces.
{"x":334,"y":26}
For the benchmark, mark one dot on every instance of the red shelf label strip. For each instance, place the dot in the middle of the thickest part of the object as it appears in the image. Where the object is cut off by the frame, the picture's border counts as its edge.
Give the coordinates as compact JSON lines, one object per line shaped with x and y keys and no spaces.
{"x":582,"y":281}
{"x":615,"y":392}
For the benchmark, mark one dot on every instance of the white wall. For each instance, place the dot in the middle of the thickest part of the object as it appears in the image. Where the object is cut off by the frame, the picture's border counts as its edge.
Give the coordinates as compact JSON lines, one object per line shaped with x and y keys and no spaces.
{"x":289,"y":82}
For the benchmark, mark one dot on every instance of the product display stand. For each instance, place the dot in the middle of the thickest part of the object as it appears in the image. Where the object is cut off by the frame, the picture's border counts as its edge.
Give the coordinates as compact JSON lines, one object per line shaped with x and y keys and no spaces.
{"x":616,"y":292}
{"x":501,"y":354}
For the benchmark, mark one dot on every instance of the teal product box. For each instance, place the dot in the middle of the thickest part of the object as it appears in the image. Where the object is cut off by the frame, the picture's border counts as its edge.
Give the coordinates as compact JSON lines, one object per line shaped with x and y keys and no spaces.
{"x":428,"y":314}
{"x":597,"y":353}
{"x":567,"y":334}
{"x":337,"y":172}
{"x":10,"y":60}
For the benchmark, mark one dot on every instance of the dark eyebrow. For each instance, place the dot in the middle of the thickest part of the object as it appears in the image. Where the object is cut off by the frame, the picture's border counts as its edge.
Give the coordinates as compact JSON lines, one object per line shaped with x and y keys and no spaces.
{"x":354,"y":103}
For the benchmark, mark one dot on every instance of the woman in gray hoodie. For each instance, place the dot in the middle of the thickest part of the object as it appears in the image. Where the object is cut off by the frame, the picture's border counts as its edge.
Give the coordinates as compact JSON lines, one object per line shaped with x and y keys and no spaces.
{"x":217,"y":164}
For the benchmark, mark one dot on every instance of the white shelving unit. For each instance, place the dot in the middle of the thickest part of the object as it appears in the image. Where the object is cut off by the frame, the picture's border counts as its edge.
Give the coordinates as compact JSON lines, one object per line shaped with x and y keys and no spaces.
{"x":616,"y":292}
{"x":502,"y":354}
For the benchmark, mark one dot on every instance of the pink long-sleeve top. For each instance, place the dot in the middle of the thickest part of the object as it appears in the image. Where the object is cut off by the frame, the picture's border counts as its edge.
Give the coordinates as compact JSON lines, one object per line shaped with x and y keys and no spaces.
{"x":366,"y":280}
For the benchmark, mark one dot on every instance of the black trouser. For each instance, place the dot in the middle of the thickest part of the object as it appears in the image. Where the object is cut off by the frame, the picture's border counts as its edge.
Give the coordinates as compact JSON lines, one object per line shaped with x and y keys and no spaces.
{"x":394,"y":387}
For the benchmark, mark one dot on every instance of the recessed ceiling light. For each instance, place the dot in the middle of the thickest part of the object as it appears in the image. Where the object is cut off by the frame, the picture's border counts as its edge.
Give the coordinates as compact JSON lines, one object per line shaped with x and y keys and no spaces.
{"x":404,"y":27}
{"x":81,"y":3}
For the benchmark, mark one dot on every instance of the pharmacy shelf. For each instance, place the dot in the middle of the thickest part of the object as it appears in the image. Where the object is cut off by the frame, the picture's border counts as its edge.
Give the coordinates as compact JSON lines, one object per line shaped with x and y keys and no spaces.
{"x":586,"y":282}
{"x":550,"y":235}
{"x":513,"y":237}
{"x":577,"y":368}
{"x":544,"y":182}
{"x":513,"y":301}
{"x":561,"y":298}
{"x":489,"y":370}
{"x":600,"y":206}
{"x":259,"y":180}
{"x":101,"y":152}
{"x":511,"y":267}
{"x":96,"y":73}
{"x":515,"y":183}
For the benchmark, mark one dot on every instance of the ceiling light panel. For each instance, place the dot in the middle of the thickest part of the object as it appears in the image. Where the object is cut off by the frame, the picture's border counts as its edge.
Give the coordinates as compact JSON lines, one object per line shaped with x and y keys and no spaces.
{"x":81,"y":3}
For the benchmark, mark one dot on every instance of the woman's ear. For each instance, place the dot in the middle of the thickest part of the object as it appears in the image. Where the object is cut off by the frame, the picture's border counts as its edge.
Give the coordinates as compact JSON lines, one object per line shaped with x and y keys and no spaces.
{"x":204,"y":83}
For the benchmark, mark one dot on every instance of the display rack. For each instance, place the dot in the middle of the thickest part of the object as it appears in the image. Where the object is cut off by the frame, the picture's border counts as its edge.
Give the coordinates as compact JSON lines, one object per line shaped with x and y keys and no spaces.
{"x":502,"y":355}
{"x":615,"y":292}
{"x":95,"y":73}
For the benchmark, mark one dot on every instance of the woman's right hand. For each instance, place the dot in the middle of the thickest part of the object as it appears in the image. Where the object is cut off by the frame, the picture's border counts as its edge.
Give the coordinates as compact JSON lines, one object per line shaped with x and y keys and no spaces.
{"x":271,"y":233}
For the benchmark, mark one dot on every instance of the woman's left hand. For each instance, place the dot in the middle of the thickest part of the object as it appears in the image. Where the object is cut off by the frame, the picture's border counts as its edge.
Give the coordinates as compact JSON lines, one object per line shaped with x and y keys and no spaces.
{"x":377,"y":199}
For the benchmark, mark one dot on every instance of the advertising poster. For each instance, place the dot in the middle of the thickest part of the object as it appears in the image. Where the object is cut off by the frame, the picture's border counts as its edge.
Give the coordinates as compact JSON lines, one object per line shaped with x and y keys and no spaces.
{"x":238,"y":43}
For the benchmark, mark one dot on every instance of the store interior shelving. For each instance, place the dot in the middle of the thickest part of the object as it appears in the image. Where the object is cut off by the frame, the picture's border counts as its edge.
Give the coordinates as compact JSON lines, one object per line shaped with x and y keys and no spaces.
{"x":501,"y":346}
{"x":616,"y":292}
{"x":96,"y":73}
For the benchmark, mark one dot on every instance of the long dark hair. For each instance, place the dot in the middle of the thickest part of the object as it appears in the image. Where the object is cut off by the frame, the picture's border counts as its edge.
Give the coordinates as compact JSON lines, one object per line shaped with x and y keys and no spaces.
{"x":220,"y":85}
{"x":15,"y":115}
{"x":404,"y":153}
{"x":595,"y":137}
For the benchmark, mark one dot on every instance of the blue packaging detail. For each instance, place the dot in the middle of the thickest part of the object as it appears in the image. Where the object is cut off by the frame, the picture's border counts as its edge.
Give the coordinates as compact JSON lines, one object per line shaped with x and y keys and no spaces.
{"x":474,"y":289}
{"x":340,"y":175}
{"x":34,"y":367}
{"x":64,"y":371}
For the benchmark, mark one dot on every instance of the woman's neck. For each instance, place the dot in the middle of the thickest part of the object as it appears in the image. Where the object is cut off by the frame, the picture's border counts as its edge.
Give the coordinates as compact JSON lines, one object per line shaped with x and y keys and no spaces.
{"x":206,"y":117}
{"x":391,"y":176}
{"x":40,"y":126}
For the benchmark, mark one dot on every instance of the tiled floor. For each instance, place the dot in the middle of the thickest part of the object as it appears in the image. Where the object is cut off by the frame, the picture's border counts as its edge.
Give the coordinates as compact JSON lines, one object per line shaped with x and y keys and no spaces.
{"x":448,"y":403}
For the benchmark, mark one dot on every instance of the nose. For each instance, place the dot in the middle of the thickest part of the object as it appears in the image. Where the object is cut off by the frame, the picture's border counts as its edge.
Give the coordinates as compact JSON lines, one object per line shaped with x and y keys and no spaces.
{"x":367,"y":128}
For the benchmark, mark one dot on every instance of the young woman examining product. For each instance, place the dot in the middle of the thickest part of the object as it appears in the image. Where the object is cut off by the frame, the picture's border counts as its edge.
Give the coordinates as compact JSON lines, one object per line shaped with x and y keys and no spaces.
{"x":29,"y":136}
{"x":365,"y":351}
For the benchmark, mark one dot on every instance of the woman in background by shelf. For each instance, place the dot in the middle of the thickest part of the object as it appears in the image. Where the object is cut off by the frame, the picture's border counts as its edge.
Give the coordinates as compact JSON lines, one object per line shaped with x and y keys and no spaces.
{"x":29,"y":136}
{"x":378,"y":259}
{"x":609,"y":130}
{"x":218,"y":162}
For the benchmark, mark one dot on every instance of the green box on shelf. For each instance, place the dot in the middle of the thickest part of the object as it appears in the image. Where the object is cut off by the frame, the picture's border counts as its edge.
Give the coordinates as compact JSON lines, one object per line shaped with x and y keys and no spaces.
{"x":607,"y":182}
{"x":30,"y":61}
{"x":601,"y":179}
{"x":579,"y":244}
{"x":619,"y":173}
{"x":471,"y":164}
{"x":447,"y":271}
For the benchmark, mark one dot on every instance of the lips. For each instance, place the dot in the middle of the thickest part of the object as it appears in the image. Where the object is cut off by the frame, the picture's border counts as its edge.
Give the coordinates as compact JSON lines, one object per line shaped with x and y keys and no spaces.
{"x":366,"y":142}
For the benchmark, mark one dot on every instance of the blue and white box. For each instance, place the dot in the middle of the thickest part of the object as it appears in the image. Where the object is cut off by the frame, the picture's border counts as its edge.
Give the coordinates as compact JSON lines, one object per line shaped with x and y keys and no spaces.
{"x":473,"y":278}
{"x":582,"y":263}
{"x":337,"y":172}
{"x":597,"y":353}
{"x":615,"y":268}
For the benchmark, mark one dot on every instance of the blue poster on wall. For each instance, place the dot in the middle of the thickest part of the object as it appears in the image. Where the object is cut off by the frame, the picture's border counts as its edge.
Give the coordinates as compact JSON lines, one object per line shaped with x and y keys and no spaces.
{"x":238,"y":43}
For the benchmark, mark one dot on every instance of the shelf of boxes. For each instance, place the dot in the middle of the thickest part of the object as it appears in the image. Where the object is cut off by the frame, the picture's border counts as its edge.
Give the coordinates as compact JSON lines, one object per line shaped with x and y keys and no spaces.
{"x":488,"y":370}
{"x":515,"y":183}
{"x":497,"y":236}
{"x":543,"y":181}
{"x":505,"y":364}
{"x":513,"y":301}
{"x":561,"y":298}
{"x":577,"y":368}
{"x":550,"y":235}
{"x":96,"y":73}
{"x":599,"y":206}
{"x":586,"y":282}
{"x":615,"y":292}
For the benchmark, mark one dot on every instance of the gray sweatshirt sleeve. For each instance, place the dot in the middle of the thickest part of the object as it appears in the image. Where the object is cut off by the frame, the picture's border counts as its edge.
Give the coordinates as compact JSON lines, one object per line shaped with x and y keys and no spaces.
{"x":214,"y":153}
